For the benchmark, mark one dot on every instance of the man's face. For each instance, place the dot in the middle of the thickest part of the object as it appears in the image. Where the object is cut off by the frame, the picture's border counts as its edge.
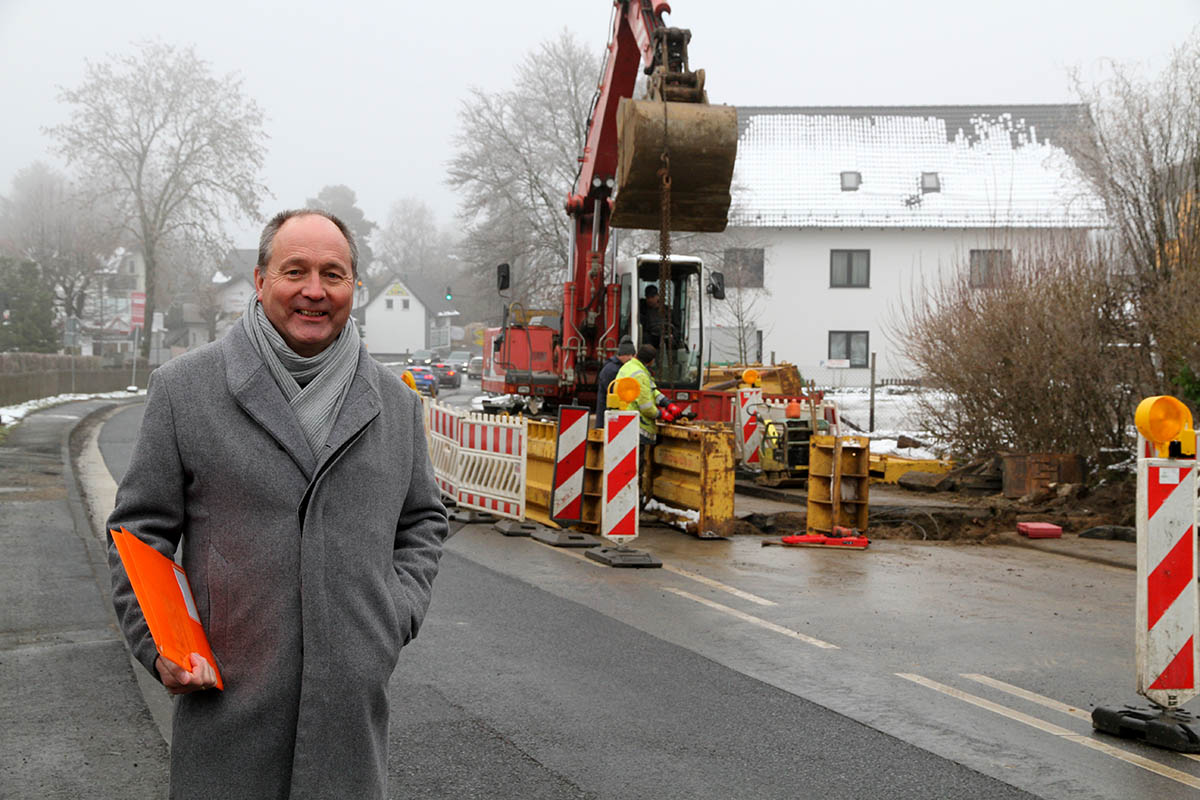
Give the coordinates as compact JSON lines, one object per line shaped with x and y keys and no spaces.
{"x":652,"y":301}
{"x":307,"y":287}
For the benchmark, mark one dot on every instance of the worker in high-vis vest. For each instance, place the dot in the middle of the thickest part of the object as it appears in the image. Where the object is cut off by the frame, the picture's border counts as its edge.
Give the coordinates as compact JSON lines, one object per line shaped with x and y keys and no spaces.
{"x":650,"y":400}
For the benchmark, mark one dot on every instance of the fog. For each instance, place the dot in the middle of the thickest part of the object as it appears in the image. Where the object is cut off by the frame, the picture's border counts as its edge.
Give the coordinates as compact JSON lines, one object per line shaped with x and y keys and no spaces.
{"x":366,"y":93}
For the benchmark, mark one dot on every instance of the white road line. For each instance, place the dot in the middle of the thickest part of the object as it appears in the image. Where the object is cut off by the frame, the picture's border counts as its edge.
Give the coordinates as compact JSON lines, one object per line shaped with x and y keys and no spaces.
{"x":753,"y":598}
{"x":1048,"y":702}
{"x":570,"y":551}
{"x":1055,"y":730}
{"x":762,"y":623}
{"x":1025,"y":694}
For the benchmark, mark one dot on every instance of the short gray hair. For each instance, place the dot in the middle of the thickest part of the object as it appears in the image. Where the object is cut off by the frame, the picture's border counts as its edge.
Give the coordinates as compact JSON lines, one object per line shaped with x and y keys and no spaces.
{"x":267,"y":240}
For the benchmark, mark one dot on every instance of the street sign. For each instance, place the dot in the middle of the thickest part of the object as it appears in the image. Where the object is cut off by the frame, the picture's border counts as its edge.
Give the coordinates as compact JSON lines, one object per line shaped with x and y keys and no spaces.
{"x":137,"y":309}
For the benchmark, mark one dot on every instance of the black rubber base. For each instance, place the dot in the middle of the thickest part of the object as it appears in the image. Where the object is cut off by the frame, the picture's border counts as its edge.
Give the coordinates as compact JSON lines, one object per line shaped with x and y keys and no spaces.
{"x":510,"y":527}
{"x":623,"y":557}
{"x":469,"y":516}
{"x":565,"y":538}
{"x":1170,"y":730}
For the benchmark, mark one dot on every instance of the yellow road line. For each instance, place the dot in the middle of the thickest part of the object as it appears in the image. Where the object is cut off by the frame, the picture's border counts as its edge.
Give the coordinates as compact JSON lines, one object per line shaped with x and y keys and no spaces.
{"x":753,"y":620}
{"x":753,"y":598}
{"x":1056,"y":730}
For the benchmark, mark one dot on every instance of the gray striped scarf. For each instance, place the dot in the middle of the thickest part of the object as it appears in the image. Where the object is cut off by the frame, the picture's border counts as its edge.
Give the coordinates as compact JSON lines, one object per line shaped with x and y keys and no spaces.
{"x":315,"y":386}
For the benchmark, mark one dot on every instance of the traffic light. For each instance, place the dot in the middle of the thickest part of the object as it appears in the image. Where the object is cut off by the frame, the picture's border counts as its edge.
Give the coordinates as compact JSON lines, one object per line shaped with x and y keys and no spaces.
{"x":449,"y":294}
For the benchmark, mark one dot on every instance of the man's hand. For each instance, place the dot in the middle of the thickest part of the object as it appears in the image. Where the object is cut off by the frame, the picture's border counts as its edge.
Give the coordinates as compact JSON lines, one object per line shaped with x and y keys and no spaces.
{"x":179,"y":680}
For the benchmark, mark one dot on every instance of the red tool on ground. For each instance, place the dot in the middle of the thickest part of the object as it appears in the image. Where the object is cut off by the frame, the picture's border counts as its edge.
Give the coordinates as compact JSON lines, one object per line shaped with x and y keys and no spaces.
{"x":843,"y":538}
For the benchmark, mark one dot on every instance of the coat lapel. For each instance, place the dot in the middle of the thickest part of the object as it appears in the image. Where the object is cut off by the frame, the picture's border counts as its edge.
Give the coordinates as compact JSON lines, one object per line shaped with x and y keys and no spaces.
{"x":256,"y":392}
{"x":359,"y":408}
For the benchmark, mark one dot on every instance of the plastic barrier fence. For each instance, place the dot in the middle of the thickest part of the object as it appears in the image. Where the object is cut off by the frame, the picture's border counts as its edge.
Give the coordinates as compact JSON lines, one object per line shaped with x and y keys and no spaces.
{"x":441,"y":428}
{"x":491,"y":464}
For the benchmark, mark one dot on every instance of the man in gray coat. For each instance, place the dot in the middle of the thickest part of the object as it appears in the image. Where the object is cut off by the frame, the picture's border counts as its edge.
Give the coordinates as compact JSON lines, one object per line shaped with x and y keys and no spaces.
{"x":292,"y":467}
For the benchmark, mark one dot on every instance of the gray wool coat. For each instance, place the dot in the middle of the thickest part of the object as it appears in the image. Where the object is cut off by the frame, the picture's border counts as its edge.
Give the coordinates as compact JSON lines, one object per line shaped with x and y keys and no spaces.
{"x":309,"y":573}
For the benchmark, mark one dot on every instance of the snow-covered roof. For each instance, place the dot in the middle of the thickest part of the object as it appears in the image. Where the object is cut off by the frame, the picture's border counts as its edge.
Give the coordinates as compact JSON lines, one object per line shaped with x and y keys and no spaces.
{"x":994,"y":165}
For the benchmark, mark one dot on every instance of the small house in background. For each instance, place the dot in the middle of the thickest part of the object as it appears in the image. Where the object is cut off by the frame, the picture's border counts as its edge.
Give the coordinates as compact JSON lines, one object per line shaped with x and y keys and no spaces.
{"x":407,"y":313}
{"x":207,"y":313}
{"x":840,"y":212}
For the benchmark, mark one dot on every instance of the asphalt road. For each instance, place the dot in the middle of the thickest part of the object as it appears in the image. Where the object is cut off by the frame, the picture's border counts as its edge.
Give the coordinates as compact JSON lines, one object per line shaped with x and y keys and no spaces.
{"x":908,"y":671}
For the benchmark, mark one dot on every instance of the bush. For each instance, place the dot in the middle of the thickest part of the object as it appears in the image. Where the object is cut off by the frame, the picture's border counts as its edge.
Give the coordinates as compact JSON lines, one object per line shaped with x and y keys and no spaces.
{"x":1048,"y":359}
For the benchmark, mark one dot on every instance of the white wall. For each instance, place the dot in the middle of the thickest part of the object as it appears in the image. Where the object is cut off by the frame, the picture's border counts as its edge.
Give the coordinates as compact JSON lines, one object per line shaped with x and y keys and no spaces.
{"x":395,"y":329}
{"x":802,"y":307}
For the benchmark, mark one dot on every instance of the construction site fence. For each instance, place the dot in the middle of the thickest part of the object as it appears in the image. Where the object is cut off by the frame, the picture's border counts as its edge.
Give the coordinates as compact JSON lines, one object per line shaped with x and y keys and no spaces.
{"x":691,"y":472}
{"x":479,"y":460}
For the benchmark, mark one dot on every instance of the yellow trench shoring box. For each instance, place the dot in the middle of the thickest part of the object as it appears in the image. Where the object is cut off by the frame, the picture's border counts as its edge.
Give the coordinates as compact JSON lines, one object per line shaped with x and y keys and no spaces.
{"x":692,"y":471}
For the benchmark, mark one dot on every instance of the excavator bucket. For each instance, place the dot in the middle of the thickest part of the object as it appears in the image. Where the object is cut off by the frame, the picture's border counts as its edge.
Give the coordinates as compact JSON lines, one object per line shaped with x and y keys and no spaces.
{"x":702,"y":143}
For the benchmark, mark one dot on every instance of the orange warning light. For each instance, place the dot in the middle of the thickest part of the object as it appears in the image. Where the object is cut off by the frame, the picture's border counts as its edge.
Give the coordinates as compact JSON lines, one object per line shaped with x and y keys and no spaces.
{"x":750,"y":377}
{"x":1163,"y":419}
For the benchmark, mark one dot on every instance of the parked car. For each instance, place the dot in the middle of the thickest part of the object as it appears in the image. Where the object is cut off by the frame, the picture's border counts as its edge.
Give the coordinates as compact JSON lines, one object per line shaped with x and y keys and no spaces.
{"x":448,"y":374}
{"x":425,"y":357}
{"x":475,"y":368}
{"x":426,"y":378}
{"x":460,"y":359}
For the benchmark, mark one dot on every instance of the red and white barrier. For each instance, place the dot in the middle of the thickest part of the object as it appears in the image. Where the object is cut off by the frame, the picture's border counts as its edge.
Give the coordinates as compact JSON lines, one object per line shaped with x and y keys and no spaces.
{"x":441,"y":430}
{"x":566,"y":494}
{"x":619,"y":515}
{"x":748,"y":427}
{"x":1167,"y":611}
{"x":491,"y":464}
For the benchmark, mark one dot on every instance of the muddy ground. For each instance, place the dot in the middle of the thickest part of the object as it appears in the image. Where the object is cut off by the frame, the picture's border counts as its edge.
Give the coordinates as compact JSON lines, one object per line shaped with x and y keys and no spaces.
{"x":984,"y":519}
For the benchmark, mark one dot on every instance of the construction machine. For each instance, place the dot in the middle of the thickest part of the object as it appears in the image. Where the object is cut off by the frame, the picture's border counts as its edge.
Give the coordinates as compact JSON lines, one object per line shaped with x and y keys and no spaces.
{"x":662,"y":163}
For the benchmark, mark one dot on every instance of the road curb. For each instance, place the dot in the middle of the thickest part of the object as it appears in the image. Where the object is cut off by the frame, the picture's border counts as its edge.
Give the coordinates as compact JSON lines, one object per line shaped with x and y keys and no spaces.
{"x":91,"y":494}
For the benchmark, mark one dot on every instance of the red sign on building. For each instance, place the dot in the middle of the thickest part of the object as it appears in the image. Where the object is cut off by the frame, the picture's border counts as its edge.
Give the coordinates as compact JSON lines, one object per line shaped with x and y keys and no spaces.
{"x":137,"y":309}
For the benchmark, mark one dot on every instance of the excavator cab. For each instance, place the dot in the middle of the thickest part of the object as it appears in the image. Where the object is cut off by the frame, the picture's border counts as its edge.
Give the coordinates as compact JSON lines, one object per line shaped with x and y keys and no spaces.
{"x":674,"y":145}
{"x":674,"y":324}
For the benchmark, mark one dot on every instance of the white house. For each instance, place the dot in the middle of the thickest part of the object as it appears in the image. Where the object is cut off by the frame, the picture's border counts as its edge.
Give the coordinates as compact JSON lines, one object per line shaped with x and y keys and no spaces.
{"x":839,"y":213}
{"x":406,"y":314}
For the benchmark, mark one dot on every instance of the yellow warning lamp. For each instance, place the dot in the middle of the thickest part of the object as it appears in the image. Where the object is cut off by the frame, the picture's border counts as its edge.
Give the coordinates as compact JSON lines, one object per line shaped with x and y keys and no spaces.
{"x":409,"y":380}
{"x":750,"y":376}
{"x":622,"y":392}
{"x":1163,"y":419}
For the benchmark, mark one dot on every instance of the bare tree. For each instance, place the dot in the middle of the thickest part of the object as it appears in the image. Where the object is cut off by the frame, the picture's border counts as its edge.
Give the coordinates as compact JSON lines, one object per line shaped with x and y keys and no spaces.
{"x":48,"y":221}
{"x":516,"y":160}
{"x":410,"y":242}
{"x":1141,"y":155}
{"x":173,"y":146}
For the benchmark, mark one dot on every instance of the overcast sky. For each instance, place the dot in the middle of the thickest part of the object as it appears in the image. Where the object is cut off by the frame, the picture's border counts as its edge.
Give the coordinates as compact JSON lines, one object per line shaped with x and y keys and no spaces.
{"x":366,"y":93}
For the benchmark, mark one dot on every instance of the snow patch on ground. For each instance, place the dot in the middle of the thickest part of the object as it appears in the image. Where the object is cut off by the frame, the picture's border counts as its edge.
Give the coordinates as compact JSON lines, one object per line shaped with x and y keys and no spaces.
{"x":10,"y":415}
{"x":897,"y":414}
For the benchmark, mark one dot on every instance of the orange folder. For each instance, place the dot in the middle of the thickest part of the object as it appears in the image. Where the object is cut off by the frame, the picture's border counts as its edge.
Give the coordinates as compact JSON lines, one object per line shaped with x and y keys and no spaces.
{"x":165,"y":596}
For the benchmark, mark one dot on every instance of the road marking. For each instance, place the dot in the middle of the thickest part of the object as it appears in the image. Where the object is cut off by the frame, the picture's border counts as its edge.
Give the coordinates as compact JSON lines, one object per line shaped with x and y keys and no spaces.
{"x":753,"y":598}
{"x":1048,"y":702}
{"x":753,"y":620}
{"x":570,"y":551}
{"x":1030,"y":696}
{"x":1055,"y":730}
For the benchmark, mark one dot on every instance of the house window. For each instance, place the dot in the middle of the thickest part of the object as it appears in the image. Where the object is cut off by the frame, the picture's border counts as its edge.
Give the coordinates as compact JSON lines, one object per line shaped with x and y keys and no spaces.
{"x":930,"y":182}
{"x":849,"y":345}
{"x":988,"y":267}
{"x":849,"y":268}
{"x":851,"y":181}
{"x":744,"y":267}
{"x":404,"y":304}
{"x":388,"y":304}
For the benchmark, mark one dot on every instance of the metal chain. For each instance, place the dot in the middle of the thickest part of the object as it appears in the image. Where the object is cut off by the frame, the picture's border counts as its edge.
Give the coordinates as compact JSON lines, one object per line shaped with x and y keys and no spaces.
{"x":664,"y":242}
